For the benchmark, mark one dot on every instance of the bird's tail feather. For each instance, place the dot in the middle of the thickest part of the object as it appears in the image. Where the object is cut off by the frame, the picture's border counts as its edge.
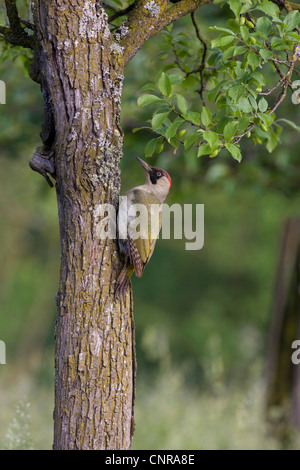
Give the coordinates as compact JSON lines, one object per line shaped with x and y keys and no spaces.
{"x":123,"y":281}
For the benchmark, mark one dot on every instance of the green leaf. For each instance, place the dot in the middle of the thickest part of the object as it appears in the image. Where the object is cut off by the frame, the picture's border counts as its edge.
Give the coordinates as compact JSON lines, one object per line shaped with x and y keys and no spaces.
{"x":221,"y":42}
{"x":243,"y":124}
{"x":228,"y":53}
{"x":235,"y":6}
{"x":259,"y":78}
{"x":164,"y":84}
{"x":158,"y":119}
{"x":136,"y":129}
{"x":244,"y":32}
{"x":273,"y":140}
{"x":230,"y":130}
{"x":269,"y":8}
{"x":192,"y":116}
{"x":239,"y":72}
{"x":240,"y":50}
{"x":218,"y":28}
{"x":266,"y":55}
{"x":235,"y":151}
{"x":263,"y":26}
{"x":233,"y":51}
{"x":253,"y":93}
{"x":204,"y":150}
{"x":212,"y":94}
{"x":172,"y":129}
{"x":181,"y":103}
{"x":247,"y":5}
{"x":263,"y":105}
{"x":290,"y":123}
{"x":253,"y":60}
{"x":292,"y":20}
{"x":236,"y":92}
{"x":212,"y":138}
{"x":188,"y":82}
{"x":190,"y":140}
{"x":175,"y":79}
{"x":205,"y":116}
{"x":174,"y":142}
{"x":278,"y":44}
{"x":233,"y":24}
{"x":266,"y":118}
{"x":295,"y":35}
{"x":253,"y":102}
{"x":149,"y":87}
{"x":144,"y":100}
{"x":150,"y":147}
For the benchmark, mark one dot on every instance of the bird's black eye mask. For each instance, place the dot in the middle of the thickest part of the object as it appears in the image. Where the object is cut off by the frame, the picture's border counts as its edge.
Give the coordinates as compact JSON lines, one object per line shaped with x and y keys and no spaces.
{"x":155,"y":175}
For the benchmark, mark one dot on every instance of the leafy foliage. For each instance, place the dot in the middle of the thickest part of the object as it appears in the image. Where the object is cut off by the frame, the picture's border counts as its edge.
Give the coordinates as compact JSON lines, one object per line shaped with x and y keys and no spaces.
{"x":233,"y":76}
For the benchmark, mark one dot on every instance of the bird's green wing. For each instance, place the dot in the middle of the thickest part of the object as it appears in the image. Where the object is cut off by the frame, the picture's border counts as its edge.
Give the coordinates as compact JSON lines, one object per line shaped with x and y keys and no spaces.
{"x":144,"y":229}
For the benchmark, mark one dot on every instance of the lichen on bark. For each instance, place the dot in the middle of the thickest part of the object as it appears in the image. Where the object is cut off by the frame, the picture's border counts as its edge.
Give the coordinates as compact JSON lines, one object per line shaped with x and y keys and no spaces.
{"x":95,"y":359}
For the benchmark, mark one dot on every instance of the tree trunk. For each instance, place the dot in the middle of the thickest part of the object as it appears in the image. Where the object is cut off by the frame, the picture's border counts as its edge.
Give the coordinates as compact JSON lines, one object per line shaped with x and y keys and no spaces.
{"x":283,"y":393}
{"x":81,"y":77}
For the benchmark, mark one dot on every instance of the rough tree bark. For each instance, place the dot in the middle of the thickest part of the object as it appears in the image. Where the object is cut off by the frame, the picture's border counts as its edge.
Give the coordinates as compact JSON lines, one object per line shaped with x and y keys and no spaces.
{"x":80,"y":64}
{"x":95,"y":361}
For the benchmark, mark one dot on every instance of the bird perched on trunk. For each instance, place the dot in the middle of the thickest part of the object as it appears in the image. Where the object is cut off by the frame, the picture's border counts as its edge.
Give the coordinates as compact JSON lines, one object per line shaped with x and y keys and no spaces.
{"x":138,"y":248}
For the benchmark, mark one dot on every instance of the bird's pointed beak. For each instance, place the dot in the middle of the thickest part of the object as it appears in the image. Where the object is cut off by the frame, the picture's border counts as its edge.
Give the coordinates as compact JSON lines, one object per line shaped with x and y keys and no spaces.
{"x":145,"y":165}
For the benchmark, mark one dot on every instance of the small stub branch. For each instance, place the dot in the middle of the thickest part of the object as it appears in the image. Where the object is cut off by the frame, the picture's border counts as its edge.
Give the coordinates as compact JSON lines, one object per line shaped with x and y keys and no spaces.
{"x":43,"y":162}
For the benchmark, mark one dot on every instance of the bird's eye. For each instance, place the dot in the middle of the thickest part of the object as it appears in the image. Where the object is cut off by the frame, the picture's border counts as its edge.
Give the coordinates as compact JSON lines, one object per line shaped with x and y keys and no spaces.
{"x":158,"y":173}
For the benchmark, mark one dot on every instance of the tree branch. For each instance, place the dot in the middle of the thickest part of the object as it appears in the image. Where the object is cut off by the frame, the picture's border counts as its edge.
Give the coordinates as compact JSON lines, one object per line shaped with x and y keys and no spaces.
{"x":13,"y":14}
{"x":149,"y":17}
{"x":15,"y":34}
{"x":204,"y":53}
{"x":43,"y":162}
{"x":182,"y":8}
{"x":288,"y":6}
{"x":287,"y":79}
{"x":9,"y":36}
{"x":291,"y":6}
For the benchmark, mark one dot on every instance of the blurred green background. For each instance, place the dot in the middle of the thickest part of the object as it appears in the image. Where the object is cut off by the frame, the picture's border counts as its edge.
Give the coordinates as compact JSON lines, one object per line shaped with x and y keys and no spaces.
{"x":202,"y":318}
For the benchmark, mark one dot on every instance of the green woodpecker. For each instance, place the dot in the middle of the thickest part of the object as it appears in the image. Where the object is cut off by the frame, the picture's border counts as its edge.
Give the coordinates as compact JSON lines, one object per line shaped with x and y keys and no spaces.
{"x":138,"y":249}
